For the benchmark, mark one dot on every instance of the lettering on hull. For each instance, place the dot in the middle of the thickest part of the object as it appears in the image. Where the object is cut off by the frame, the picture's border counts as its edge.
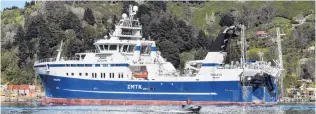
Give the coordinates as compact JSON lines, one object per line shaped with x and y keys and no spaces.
{"x":134,"y":87}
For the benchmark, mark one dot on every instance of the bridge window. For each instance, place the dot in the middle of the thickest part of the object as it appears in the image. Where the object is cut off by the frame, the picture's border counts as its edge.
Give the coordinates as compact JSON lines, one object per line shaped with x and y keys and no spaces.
{"x":67,"y":65}
{"x":80,"y":74}
{"x":145,"y":49}
{"x":72,"y":74}
{"x":106,"y":47}
{"x":125,"y":48}
{"x":120,"y":48}
{"x":86,"y":74}
{"x":131,"y":48}
{"x":67,"y":74}
{"x":101,"y":47}
{"x":113,"y":47}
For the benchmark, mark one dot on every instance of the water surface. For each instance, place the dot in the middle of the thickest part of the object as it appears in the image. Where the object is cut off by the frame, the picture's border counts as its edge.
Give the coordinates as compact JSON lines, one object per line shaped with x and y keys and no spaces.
{"x":35,"y":108}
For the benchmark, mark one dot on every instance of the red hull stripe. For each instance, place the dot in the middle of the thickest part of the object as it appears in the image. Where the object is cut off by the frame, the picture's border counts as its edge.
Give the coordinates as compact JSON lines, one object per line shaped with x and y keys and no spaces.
{"x":62,"y":101}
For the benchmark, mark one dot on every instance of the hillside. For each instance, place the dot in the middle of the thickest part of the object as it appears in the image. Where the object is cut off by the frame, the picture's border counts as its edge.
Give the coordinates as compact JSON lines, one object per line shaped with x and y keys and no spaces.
{"x":182,"y":30}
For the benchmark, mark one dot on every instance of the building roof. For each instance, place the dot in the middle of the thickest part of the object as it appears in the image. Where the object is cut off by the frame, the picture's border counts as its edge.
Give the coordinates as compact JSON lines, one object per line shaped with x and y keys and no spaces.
{"x":261,"y":32}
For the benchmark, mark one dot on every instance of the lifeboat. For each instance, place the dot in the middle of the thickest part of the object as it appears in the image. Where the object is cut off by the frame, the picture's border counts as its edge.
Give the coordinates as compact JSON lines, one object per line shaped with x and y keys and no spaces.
{"x":140,"y":75}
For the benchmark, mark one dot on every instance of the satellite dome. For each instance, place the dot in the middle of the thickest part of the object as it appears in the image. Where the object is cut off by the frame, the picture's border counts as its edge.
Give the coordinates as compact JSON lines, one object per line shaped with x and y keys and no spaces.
{"x":124,"y":15}
{"x":135,"y":8}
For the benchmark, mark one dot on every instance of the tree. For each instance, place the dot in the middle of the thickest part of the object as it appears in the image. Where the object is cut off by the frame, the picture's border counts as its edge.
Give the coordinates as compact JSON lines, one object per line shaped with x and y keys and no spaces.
{"x":19,"y":37}
{"x":55,"y":11}
{"x":203,"y":41}
{"x":227,"y":20}
{"x":266,"y":13}
{"x":154,"y":31}
{"x":200,"y":54}
{"x":27,"y":4}
{"x":32,"y":28}
{"x":304,"y":34}
{"x":89,"y":34}
{"x":158,"y":5}
{"x":145,"y":22}
{"x":170,"y":52}
{"x":143,"y":9}
{"x":22,"y":43}
{"x":46,"y":42}
{"x":74,"y":46}
{"x":9,"y":67}
{"x":89,"y":17}
{"x":70,"y":21}
{"x":248,"y":16}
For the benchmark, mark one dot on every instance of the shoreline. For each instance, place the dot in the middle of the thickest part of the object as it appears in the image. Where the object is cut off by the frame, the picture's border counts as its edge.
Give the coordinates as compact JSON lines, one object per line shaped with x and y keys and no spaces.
{"x":295,"y":103}
{"x":39,"y":100}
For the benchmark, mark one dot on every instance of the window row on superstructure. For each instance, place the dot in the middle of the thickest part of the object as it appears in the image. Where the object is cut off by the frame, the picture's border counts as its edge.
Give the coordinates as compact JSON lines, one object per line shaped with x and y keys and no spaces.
{"x":103,"y":75}
{"x":86,"y":65}
{"x":119,"y":47}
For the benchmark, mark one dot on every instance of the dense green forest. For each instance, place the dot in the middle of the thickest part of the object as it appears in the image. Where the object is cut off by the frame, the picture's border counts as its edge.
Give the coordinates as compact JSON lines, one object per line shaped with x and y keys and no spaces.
{"x":182,"y":30}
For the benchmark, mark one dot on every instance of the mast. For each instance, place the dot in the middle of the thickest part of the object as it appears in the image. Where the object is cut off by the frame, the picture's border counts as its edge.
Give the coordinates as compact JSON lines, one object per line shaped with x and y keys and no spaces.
{"x":243,"y":52}
{"x":59,"y":51}
{"x":280,"y":58}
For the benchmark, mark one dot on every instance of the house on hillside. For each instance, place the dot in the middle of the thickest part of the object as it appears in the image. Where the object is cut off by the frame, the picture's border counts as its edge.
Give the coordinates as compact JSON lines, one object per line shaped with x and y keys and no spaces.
{"x":261,"y":34}
{"x":300,"y":19}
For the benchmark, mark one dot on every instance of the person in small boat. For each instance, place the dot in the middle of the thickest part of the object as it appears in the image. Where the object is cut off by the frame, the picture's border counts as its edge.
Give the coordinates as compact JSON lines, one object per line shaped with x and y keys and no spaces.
{"x":190,"y":107}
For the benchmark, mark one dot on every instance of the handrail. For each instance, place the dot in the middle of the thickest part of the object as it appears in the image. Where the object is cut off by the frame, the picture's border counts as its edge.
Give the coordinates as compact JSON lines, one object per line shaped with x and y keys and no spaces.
{"x":54,"y":59}
{"x":45,"y":60}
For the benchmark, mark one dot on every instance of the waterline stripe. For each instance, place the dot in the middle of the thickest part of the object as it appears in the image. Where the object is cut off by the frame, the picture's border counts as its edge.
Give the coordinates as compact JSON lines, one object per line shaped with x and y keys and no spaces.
{"x":144,"y":93}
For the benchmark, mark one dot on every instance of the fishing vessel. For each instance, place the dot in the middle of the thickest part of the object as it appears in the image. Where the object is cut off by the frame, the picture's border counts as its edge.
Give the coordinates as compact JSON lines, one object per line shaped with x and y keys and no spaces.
{"x":127,"y":69}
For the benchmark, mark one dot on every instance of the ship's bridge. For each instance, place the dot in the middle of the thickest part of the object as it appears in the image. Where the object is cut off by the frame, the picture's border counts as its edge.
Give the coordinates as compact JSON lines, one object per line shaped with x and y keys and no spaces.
{"x":114,"y":46}
{"x":129,"y":24}
{"x":124,"y":46}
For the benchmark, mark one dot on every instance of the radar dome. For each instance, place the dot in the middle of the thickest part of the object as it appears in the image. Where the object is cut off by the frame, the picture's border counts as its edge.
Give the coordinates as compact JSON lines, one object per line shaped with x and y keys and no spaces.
{"x":124,"y":15}
{"x":135,"y":8}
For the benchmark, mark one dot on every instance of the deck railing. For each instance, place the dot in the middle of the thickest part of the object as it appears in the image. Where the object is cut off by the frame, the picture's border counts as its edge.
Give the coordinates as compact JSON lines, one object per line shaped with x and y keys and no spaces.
{"x":45,"y":60}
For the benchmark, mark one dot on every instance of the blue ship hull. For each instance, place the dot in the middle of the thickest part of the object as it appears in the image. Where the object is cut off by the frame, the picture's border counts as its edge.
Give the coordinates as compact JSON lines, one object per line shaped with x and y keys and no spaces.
{"x":205,"y":91}
{"x":212,"y":91}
